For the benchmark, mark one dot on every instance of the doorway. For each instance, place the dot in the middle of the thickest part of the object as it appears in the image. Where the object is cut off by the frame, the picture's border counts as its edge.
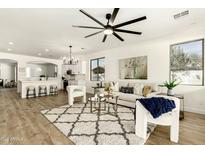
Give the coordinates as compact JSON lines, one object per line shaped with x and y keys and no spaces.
{"x":8,"y":73}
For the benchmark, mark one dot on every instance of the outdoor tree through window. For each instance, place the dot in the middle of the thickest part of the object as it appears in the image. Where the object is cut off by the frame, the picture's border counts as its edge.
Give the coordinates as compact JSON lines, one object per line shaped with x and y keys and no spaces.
{"x":97,"y":69}
{"x":186,"y":62}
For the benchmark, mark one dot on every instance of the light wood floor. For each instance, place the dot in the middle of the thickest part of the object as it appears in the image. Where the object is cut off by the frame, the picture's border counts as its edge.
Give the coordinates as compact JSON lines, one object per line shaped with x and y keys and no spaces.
{"x":22,"y":123}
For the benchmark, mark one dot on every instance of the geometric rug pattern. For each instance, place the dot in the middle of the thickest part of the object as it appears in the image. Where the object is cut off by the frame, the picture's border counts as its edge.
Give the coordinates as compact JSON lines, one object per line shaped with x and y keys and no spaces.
{"x":85,"y":128}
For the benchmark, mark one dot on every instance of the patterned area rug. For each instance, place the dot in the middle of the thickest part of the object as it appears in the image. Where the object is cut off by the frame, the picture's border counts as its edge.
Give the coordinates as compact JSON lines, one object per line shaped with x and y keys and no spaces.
{"x":83,"y":127}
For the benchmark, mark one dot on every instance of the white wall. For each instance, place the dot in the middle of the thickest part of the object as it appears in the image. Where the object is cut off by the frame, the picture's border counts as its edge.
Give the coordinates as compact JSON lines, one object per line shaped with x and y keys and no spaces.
{"x":22,"y":60}
{"x":35,"y":70}
{"x":51,"y":69}
{"x":157,"y":51}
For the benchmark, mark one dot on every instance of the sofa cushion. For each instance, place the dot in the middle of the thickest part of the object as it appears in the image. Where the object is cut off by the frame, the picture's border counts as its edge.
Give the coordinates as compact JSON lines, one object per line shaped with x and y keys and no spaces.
{"x":128,"y":97}
{"x":146,"y":90}
{"x":114,"y":86}
{"x":154,"y":86}
{"x":129,"y":90}
{"x":138,"y":87}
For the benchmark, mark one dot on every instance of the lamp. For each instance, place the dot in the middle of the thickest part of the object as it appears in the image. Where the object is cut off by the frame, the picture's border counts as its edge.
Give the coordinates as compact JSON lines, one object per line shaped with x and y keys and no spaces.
{"x":108,"y":30}
{"x":69,"y":60}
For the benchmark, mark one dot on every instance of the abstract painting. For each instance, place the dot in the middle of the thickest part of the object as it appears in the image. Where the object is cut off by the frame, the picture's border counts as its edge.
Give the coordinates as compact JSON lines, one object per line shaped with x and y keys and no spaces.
{"x":133,"y":68}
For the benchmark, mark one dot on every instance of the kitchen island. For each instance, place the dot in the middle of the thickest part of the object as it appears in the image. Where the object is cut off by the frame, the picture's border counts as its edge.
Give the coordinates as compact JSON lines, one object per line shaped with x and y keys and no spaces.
{"x":36,"y":83}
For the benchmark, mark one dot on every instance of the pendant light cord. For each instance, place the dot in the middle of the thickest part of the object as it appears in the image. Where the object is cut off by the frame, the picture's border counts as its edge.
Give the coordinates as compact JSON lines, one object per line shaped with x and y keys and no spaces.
{"x":70,"y":53}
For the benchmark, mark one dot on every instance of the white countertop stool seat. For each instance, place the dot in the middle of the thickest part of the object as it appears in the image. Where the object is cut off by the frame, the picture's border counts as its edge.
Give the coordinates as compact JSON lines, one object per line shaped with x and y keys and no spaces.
{"x":42,"y":90}
{"x":30,"y":91}
{"x":53,"y":89}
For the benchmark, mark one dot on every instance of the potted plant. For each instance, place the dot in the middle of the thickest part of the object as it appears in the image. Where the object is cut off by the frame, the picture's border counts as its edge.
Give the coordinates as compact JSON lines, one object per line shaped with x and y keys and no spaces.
{"x":170,"y":85}
{"x":108,"y":88}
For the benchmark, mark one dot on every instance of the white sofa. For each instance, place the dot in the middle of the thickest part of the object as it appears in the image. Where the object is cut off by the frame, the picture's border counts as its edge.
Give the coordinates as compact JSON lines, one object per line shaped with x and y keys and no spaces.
{"x":129,"y":100}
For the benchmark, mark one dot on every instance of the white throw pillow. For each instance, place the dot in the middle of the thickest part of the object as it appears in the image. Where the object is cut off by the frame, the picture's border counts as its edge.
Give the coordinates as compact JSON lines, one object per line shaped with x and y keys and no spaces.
{"x":114,"y":86}
{"x":155,"y":87}
{"x":138,"y":87}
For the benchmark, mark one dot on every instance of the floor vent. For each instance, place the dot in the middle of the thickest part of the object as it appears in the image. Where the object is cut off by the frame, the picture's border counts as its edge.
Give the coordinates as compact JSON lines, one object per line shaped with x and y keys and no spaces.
{"x":181,"y":14}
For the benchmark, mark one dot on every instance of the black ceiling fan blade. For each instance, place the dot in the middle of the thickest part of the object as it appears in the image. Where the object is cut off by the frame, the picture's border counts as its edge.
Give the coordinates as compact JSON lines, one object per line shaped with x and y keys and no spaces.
{"x":114,"y":14}
{"x":130,"y":22}
{"x":94,"y":33}
{"x":128,"y":31}
{"x":116,"y":35}
{"x":87,"y":27}
{"x":92,"y":17}
{"x":104,"y":38}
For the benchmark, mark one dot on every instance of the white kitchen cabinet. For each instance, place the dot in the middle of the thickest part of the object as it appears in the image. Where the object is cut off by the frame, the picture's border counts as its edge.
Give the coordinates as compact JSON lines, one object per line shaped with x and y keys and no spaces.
{"x":80,"y":68}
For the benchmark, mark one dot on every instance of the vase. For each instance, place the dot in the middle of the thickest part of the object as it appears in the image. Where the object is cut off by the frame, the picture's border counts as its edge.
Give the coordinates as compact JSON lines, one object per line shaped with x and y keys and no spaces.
{"x":170,"y":92}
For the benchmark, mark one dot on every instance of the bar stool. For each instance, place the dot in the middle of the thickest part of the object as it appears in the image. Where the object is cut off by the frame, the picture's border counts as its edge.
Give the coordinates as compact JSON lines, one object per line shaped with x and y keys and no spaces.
{"x":53,"y":90}
{"x":30,"y":91}
{"x":42,"y":90}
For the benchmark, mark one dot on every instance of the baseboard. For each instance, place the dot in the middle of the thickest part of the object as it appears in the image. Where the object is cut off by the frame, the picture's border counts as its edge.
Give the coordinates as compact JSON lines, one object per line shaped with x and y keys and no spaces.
{"x":194,"y":110}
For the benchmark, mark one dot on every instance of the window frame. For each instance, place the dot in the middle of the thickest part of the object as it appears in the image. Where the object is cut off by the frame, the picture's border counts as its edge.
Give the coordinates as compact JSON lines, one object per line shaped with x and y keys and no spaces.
{"x":97,"y":66}
{"x":201,"y":39}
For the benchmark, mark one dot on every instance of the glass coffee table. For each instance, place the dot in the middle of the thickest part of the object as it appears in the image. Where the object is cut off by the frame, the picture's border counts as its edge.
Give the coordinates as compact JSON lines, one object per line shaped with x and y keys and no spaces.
{"x":96,"y":103}
{"x":109,"y":98}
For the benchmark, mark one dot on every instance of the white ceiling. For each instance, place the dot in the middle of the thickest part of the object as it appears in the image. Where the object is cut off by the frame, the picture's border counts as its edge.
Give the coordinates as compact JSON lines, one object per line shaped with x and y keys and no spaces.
{"x":34,"y":30}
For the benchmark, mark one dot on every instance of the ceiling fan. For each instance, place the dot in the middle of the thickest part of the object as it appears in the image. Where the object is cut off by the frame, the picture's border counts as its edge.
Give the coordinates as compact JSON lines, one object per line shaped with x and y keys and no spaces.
{"x":109,"y":28}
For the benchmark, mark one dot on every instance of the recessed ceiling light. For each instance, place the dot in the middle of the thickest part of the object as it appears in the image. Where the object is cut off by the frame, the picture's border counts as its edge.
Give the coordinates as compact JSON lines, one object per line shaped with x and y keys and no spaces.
{"x":9,"y":49}
{"x":46,"y":50}
{"x":11,"y":43}
{"x":82,"y":48}
{"x":39,"y":54}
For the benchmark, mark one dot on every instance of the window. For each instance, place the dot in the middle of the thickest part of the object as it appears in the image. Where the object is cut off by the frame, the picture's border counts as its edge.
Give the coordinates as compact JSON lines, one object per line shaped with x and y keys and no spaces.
{"x":187,"y":62}
{"x":97,"y":69}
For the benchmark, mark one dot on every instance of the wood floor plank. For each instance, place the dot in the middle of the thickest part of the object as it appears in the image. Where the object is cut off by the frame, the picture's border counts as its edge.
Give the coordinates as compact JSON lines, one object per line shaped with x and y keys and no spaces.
{"x":22,"y":123}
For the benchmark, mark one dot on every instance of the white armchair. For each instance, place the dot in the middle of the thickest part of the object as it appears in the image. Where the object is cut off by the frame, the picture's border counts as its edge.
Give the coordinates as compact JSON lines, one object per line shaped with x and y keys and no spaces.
{"x":168,"y":119}
{"x":76,"y":91}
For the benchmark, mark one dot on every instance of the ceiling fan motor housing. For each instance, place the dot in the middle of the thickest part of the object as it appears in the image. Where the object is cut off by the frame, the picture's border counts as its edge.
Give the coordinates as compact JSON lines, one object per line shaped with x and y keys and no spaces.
{"x":108,"y":30}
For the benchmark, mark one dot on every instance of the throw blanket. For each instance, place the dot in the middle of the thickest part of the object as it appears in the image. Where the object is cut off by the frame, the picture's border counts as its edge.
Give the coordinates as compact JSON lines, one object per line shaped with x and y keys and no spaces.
{"x":157,"y":105}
